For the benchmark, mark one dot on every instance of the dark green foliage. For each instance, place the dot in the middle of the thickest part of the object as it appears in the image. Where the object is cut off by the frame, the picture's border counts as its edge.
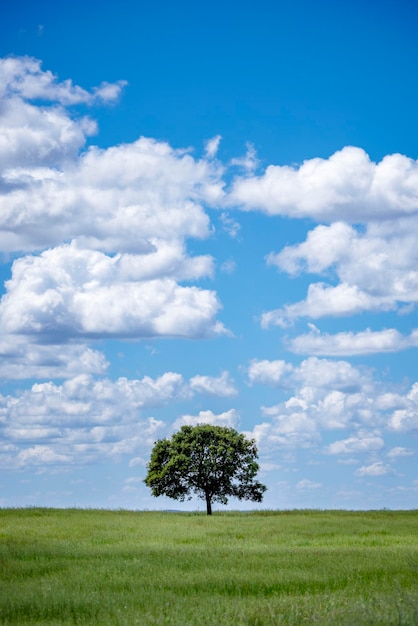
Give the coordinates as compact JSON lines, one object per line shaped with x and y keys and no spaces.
{"x":212,"y":462}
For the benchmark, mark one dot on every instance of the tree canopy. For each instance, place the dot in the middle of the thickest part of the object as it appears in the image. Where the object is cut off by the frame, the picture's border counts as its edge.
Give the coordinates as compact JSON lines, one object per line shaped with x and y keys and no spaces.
{"x":212,"y":462}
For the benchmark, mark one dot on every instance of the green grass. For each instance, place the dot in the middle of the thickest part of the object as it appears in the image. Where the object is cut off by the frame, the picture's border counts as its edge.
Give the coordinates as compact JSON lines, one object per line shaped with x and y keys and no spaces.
{"x":263,"y":568}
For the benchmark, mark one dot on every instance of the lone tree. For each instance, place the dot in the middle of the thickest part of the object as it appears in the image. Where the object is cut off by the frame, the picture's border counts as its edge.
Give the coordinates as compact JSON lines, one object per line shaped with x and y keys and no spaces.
{"x":213,"y":462}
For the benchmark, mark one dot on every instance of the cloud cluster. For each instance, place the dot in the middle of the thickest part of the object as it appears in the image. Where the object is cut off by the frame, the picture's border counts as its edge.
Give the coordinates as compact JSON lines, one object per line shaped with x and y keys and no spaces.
{"x":312,"y":372}
{"x":365,"y":252}
{"x":375,"y":269}
{"x":330,"y":396}
{"x":351,"y":343}
{"x":35,"y":127}
{"x":107,"y":229}
{"x":227,"y":418}
{"x":346,"y":186}
{"x":98,"y":240}
{"x":85,"y":419}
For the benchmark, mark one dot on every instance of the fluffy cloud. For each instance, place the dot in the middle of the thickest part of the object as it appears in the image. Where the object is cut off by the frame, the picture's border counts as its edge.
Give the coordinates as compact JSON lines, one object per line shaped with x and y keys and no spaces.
{"x":20,"y":358}
{"x":127,"y":211}
{"x":268,"y":372}
{"x":85,"y":419}
{"x":406,"y":418}
{"x":329,"y":395}
{"x":375,"y":469}
{"x":350,"y":343}
{"x":221,"y":387}
{"x":228,"y":418}
{"x":375,"y":269}
{"x":312,"y":372}
{"x":67,"y":292}
{"x":346,"y":186}
{"x":398,"y":452}
{"x":353,"y":445}
{"x":34,"y":134}
{"x":323,"y":300}
{"x":24,"y":77}
{"x":113,"y":200}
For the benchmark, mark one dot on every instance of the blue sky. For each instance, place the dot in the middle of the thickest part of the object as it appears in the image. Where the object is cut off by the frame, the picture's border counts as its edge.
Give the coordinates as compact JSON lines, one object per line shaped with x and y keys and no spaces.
{"x":208,"y":213}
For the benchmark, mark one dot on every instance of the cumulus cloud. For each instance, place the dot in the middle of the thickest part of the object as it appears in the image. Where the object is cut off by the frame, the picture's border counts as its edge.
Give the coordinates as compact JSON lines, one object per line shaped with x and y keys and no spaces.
{"x":228,"y":418}
{"x":86,"y":419}
{"x":24,"y":77}
{"x":375,"y":469}
{"x":406,"y":418}
{"x":346,"y":186}
{"x":329,"y":395}
{"x":67,"y":292}
{"x":353,"y":445}
{"x":375,"y":270}
{"x":20,"y":358}
{"x":35,"y":127}
{"x":268,"y":372}
{"x":399,"y":452}
{"x":324,"y":300}
{"x":312,"y":372}
{"x":222,"y":386}
{"x":286,"y":429}
{"x":108,"y":227}
{"x":351,"y":343}
{"x":117,"y":199}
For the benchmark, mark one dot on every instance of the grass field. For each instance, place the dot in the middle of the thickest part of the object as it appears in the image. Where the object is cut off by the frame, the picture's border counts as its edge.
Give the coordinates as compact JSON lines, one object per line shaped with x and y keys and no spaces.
{"x":121,"y":567}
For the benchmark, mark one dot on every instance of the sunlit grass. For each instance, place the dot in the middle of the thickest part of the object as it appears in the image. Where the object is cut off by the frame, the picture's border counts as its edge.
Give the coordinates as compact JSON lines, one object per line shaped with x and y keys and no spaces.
{"x":121,"y":567}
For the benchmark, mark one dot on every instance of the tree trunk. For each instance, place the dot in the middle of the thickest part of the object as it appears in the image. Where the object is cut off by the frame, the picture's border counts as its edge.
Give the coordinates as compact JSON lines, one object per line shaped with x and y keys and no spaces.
{"x":208,"y":504}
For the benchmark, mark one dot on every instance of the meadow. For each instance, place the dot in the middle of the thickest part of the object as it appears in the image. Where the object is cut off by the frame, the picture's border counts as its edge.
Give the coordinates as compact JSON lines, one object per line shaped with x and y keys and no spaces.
{"x":75,"y":566}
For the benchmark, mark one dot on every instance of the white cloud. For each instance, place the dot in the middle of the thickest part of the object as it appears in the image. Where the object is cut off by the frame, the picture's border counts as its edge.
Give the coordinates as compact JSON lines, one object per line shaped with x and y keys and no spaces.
{"x":19,"y":358}
{"x":228,"y":418}
{"x":222,"y":386}
{"x":324,"y":246}
{"x":23,"y":76}
{"x":286,"y":429}
{"x":67,"y":292}
{"x":42,"y":455}
{"x":346,"y":186}
{"x":307,"y":484}
{"x":127,"y":211}
{"x":268,"y":372}
{"x":398,"y":452}
{"x":324,"y":300}
{"x":376,"y":469}
{"x":34,"y":134}
{"x":350,"y":343}
{"x":33,"y":137}
{"x":231,"y":226}
{"x":329,"y":395}
{"x":312,"y":372}
{"x":352,"y":445}
{"x":212,"y":146}
{"x":86,"y":419}
{"x":376,"y":270}
{"x":118,"y":199}
{"x":249,"y":162}
{"x":335,"y":375}
{"x":405,"y":418}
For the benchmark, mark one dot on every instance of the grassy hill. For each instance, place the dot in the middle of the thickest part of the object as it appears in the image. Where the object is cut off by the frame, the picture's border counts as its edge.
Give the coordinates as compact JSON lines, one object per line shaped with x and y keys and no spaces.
{"x":261,"y":568}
